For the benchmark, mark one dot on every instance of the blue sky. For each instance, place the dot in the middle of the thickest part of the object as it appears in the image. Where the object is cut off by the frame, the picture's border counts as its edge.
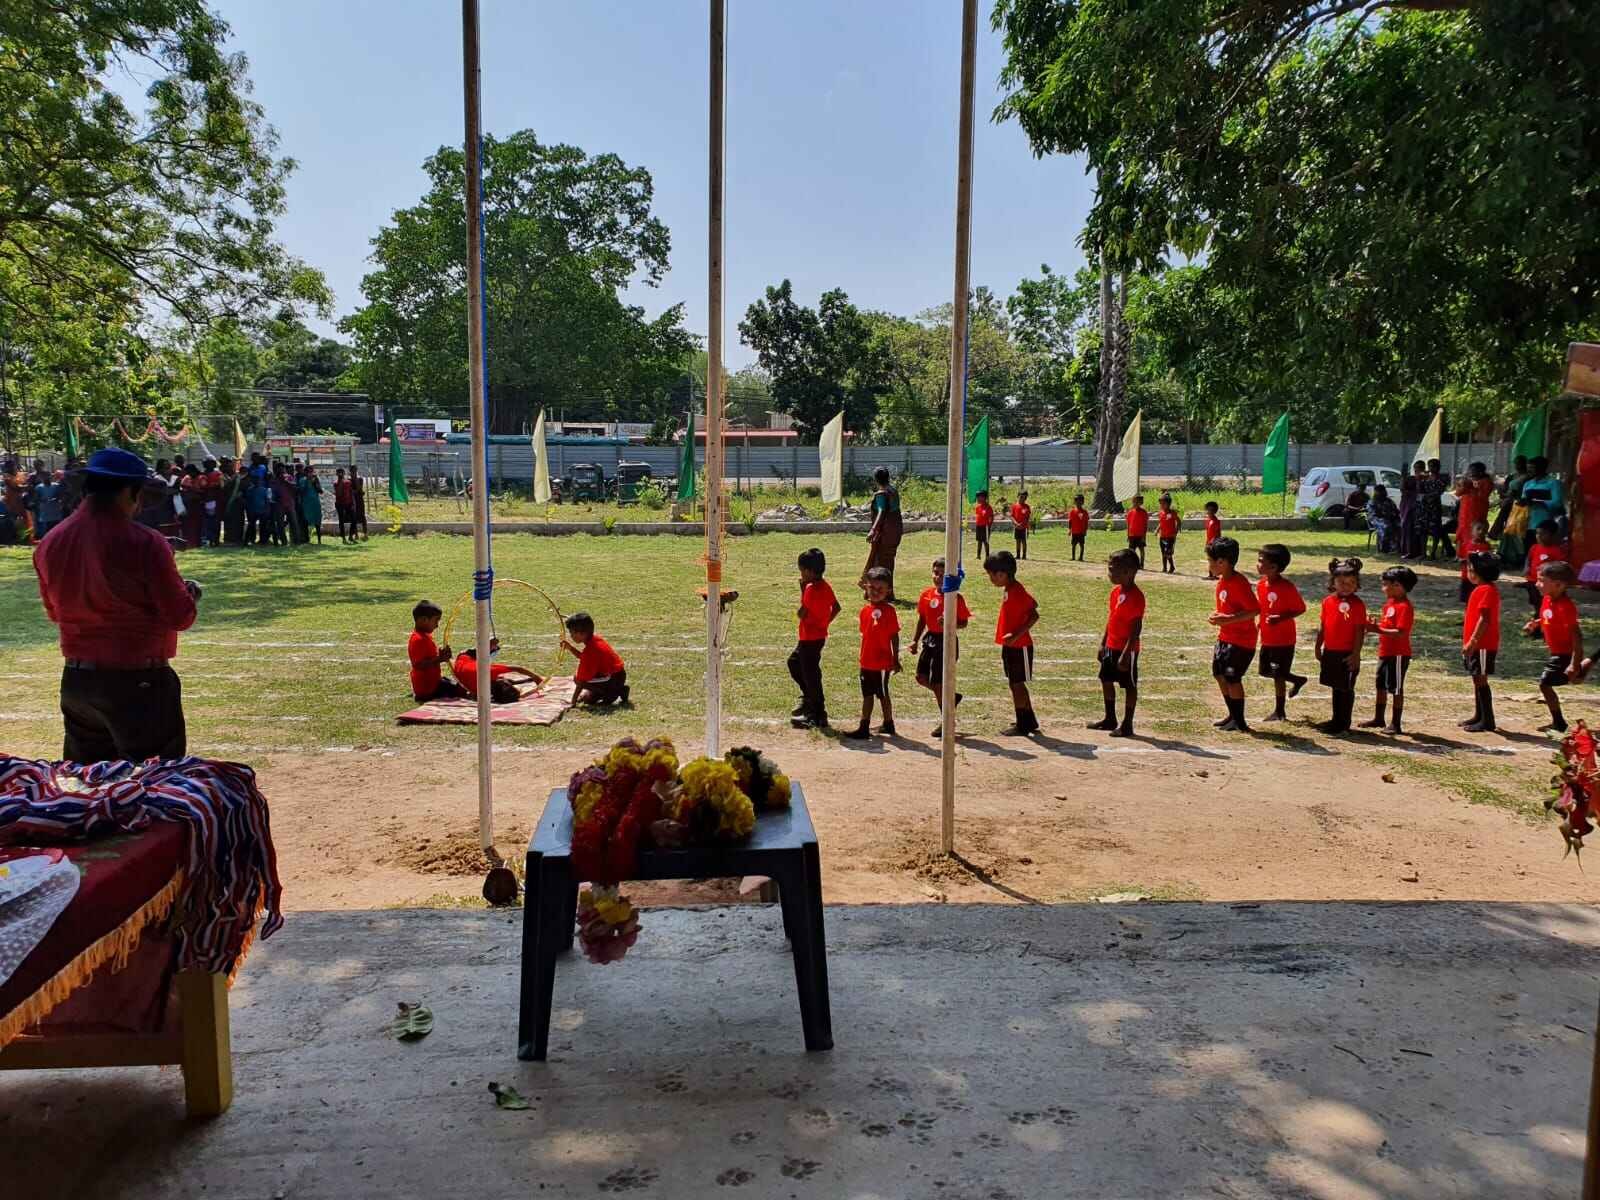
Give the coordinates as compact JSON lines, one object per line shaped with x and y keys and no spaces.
{"x":841,"y":134}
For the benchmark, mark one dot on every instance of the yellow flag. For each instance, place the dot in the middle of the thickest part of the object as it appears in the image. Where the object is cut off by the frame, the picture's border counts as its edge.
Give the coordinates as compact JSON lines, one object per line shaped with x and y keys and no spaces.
{"x":1125,"y":470}
{"x":541,"y":463}
{"x":830,"y":452}
{"x":240,"y":446}
{"x":1428,"y":448}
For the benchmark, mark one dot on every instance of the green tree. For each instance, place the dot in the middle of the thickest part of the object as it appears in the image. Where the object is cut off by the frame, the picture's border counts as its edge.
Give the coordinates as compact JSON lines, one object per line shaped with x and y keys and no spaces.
{"x":564,"y":233}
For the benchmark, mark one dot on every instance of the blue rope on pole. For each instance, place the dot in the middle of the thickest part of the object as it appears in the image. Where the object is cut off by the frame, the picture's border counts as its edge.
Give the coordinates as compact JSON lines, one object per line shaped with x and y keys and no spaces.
{"x":952,"y":583}
{"x":483,"y":584}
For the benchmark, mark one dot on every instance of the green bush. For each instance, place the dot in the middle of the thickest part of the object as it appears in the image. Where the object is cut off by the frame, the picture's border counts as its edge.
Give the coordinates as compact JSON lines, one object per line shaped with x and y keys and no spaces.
{"x":1314,"y":517}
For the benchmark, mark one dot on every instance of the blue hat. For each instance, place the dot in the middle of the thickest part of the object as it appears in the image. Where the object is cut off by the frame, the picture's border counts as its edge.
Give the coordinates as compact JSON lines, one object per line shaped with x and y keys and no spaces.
{"x":117,"y":464}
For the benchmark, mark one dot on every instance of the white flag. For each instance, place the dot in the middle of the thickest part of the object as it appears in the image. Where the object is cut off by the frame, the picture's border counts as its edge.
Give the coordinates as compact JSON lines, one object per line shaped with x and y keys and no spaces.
{"x":1125,"y":470}
{"x":830,"y":450}
{"x":541,"y":463}
{"x":1428,"y":448}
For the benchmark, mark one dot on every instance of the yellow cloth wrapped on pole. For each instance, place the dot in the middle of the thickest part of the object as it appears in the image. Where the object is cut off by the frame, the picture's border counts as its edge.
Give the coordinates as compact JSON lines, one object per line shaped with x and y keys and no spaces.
{"x":1125,"y":470}
{"x":541,"y":463}
{"x":240,"y":446}
{"x":830,"y":451}
{"x":1428,"y":447}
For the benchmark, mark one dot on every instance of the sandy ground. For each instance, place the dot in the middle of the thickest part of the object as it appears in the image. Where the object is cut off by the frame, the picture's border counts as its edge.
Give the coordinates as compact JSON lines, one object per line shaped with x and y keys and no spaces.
{"x":1071,"y":817}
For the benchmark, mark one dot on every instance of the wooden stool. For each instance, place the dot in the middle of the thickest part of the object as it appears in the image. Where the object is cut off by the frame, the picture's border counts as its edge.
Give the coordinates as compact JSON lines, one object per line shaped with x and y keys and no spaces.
{"x":782,"y":847}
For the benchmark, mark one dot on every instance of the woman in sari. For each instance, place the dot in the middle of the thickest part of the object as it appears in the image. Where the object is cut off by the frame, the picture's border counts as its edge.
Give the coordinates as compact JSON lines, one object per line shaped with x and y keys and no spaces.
{"x":308,"y":494}
{"x":887,"y":529}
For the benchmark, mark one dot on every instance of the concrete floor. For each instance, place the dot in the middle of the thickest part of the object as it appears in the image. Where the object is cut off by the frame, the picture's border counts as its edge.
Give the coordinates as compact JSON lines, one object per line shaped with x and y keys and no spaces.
{"x":1178,"y":1050}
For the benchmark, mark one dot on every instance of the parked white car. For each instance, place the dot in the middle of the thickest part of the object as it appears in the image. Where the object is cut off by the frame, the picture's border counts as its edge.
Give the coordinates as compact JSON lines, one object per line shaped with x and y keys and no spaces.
{"x":1327,"y":487}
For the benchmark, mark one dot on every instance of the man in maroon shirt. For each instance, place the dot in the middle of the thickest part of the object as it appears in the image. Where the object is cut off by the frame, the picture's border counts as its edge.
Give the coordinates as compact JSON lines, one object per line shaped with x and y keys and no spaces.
{"x":113,"y":587}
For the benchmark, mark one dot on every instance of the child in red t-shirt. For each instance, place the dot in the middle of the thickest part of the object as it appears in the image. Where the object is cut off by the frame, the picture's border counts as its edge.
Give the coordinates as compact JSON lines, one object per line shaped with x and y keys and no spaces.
{"x":1021,"y":522}
{"x":1213,"y":522}
{"x":1078,"y":526}
{"x":1558,"y":623}
{"x":1340,"y":635}
{"x":1119,"y":645}
{"x":427,"y":681}
{"x":1546,"y":547}
{"x":1138,"y":519}
{"x":1280,"y":603}
{"x":880,"y":653}
{"x":982,"y":522}
{"x":1476,"y":541}
{"x":601,"y":677}
{"x":1235,"y":621}
{"x":1393,"y":628}
{"x":1019,"y":613}
{"x":503,"y":678}
{"x":1480,"y":637}
{"x":1167,"y":523}
{"x":930,"y":636}
{"x":818,"y":607}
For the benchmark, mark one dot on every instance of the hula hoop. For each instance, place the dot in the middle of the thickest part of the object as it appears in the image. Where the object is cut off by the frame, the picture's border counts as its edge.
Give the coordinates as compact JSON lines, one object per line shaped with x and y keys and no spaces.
{"x":465,"y":601}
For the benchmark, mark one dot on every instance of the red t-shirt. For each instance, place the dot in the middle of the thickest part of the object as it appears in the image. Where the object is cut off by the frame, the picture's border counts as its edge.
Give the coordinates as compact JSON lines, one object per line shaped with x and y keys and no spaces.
{"x":1558,"y":621}
{"x":1280,"y":598}
{"x":1138,"y":522}
{"x":879,"y":624}
{"x":818,"y":600}
{"x":1015,"y":610}
{"x":112,"y":586}
{"x":1213,"y":528}
{"x":930,"y":607}
{"x":1077,"y":521}
{"x":1125,"y":606}
{"x":344,"y":493}
{"x":1167,"y":524}
{"x":1397,"y":614}
{"x":982,"y":515}
{"x":598,"y":661}
{"x":1344,"y":622}
{"x":424,"y":656}
{"x":465,"y":668}
{"x":1234,"y":598}
{"x":1021,"y":515}
{"x":1484,"y":602}
{"x":1540,"y":555}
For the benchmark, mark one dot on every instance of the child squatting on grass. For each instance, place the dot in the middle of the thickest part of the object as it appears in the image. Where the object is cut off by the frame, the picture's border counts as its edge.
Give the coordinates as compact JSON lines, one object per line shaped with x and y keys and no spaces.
{"x":1235,"y":621}
{"x":1119,"y":645}
{"x":930,"y":635}
{"x":880,"y":653}
{"x":1340,"y":635}
{"x":427,"y":681}
{"x":601,"y":677}
{"x":1557,"y":620}
{"x":1019,"y":613}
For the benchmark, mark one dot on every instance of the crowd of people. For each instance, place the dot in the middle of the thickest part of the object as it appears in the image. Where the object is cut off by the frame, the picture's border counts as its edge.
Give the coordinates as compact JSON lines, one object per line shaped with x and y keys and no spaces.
{"x":213,"y":502}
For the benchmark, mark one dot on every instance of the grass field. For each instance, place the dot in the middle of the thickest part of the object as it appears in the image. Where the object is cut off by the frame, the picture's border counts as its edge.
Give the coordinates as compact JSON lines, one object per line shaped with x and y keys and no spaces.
{"x":303,"y":648}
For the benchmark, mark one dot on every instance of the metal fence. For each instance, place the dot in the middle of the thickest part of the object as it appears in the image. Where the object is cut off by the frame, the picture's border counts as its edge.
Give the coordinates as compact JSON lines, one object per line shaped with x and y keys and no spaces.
{"x":1201,"y":465}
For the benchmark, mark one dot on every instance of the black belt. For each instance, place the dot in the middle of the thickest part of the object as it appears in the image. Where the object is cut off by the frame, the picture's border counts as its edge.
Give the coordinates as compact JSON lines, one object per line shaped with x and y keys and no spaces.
{"x":145,"y":664}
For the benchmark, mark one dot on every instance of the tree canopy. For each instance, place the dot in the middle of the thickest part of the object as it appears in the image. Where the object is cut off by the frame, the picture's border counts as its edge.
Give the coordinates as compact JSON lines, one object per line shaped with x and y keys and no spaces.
{"x":564,"y":233}
{"x":1394,"y":201}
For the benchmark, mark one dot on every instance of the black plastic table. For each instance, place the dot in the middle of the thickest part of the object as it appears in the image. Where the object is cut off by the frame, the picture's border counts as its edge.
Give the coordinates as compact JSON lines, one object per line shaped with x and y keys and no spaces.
{"x":783,"y":847}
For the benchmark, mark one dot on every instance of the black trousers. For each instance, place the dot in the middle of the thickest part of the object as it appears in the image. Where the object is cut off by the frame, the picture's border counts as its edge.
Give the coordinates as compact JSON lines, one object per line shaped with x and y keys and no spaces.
{"x":112,"y":715}
{"x":805,"y":668}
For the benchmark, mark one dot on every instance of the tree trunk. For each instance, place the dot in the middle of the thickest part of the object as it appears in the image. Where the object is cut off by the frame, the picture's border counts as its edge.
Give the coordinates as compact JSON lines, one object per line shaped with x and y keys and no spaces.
{"x":1113,"y":386}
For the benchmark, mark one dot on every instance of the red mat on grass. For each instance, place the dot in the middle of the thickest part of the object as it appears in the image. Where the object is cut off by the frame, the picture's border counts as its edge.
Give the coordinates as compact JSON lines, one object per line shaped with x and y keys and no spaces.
{"x":542,"y":707}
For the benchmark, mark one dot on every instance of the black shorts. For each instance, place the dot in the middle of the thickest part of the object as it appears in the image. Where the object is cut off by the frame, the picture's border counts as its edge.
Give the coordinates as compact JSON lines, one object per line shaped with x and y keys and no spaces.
{"x":930,"y":662}
{"x":1479,"y":663}
{"x":1111,"y":668}
{"x":1555,"y":671}
{"x":874,"y":684}
{"x":1392,"y":670}
{"x":1018,"y":663}
{"x":1231,"y":662}
{"x":1336,"y":672}
{"x":608,"y":689}
{"x":1020,"y":533}
{"x":1277,"y":662}
{"x":1077,"y":538}
{"x":1168,"y":545}
{"x":1136,"y":543}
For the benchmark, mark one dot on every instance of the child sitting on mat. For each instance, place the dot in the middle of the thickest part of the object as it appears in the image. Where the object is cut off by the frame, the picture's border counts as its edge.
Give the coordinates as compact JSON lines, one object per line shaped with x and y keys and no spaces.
{"x":601,"y":676}
{"x":503,"y":678}
{"x":427,"y":682}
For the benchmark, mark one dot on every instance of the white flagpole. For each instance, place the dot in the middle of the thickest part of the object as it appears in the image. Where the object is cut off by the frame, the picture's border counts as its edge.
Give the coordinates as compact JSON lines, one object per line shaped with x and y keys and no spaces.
{"x":714,"y":500}
{"x":954,"y":439}
{"x":482,"y":575}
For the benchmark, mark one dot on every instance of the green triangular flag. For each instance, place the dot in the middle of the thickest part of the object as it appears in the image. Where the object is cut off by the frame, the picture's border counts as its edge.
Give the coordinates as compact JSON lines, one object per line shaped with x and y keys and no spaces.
{"x":70,"y":425}
{"x":1275,"y":459}
{"x":978,"y":459}
{"x":1529,"y":441}
{"x":397,"y":468}
{"x":686,"y":466}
